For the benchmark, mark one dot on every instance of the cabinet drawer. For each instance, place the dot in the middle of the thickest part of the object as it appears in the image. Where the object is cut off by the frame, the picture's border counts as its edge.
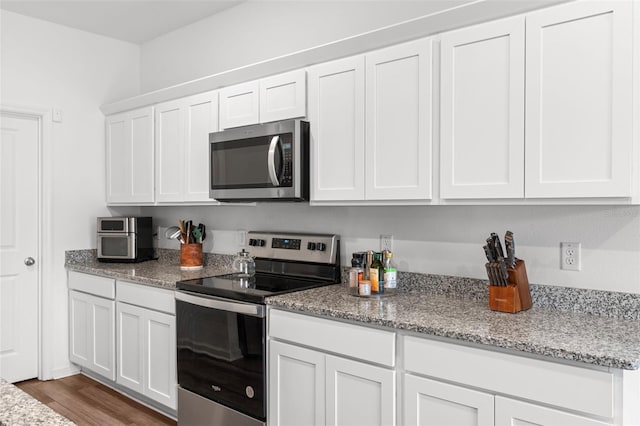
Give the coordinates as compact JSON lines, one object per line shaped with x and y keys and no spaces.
{"x":363,"y":343}
{"x":93,"y":284}
{"x":154,"y":298}
{"x":543,"y":381}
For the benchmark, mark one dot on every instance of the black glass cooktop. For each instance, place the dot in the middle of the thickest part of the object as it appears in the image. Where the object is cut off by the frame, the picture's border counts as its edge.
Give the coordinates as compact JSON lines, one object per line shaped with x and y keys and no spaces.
{"x":253,"y":289}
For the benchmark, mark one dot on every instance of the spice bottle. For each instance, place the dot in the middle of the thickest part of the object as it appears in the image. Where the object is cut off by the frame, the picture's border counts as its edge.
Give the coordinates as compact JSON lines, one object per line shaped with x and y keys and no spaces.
{"x":390,"y":271}
{"x":376,"y":274}
{"x":356,"y":273}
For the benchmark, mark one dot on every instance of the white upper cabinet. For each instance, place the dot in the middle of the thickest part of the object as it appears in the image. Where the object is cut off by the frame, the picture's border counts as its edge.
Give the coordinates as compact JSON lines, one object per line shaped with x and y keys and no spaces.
{"x":482,"y":111}
{"x":273,"y":98}
{"x":182,"y":147}
{"x":283,"y":96}
{"x":129,"y":152}
{"x":398,"y":122}
{"x":336,"y":116}
{"x":239,"y":105}
{"x":579,"y":100}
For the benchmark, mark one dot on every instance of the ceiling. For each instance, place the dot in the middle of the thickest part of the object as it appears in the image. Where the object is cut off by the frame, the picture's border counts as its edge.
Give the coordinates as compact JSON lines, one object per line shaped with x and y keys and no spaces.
{"x":135,"y":21}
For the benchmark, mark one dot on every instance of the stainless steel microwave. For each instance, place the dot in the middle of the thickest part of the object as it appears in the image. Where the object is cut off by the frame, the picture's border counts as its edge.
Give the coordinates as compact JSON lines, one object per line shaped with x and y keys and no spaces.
{"x":125,"y":239}
{"x":262,"y":162}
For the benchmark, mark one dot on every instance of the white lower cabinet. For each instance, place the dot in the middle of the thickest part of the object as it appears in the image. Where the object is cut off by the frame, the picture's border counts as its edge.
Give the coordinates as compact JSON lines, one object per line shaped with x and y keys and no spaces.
{"x":309,"y":386}
{"x":92,"y":323}
{"x":429,"y":402}
{"x":129,"y":339}
{"x":91,"y":333}
{"x":146,"y":343}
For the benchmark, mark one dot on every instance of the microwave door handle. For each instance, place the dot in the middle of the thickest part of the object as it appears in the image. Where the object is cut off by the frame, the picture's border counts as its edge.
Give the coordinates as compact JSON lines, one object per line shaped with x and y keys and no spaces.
{"x":271,"y":160}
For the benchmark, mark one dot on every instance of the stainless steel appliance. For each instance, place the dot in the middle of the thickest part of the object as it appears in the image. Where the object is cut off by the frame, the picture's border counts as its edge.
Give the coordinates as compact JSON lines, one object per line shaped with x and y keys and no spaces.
{"x":263,"y":162}
{"x":221,"y":326}
{"x":125,"y":239}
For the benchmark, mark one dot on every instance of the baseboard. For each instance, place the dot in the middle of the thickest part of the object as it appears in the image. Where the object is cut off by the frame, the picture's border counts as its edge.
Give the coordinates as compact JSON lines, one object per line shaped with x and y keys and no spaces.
{"x":63,"y":372}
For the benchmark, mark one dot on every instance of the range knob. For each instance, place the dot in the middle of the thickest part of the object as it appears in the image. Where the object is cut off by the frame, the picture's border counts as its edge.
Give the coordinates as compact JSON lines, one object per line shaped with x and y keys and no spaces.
{"x":321,"y":246}
{"x":252,"y":242}
{"x":260,"y":243}
{"x":311,"y":246}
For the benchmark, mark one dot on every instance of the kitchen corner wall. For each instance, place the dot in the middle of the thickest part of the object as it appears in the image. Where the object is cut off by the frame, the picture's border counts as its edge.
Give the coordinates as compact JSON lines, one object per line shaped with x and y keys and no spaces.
{"x":47,"y":66}
{"x":448,"y":240}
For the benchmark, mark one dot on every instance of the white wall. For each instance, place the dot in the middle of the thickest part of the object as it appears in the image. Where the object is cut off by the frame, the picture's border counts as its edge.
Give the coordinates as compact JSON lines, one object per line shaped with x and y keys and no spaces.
{"x":448,"y":239}
{"x":44,"y":66}
{"x":258,"y":30}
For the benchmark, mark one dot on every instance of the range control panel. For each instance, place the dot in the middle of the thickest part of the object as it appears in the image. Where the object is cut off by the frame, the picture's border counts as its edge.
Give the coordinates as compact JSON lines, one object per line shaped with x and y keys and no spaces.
{"x":320,"y":248}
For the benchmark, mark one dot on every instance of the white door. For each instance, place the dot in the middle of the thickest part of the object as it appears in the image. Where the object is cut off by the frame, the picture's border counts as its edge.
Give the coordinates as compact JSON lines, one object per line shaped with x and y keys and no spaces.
{"x":296,"y":386}
{"x":579,"y":100}
{"x":336,"y":117}
{"x":359,"y":393}
{"x":130,"y":339}
{"x":482,"y":111}
{"x":398,"y":122}
{"x":431,"y":403}
{"x":19,"y":139}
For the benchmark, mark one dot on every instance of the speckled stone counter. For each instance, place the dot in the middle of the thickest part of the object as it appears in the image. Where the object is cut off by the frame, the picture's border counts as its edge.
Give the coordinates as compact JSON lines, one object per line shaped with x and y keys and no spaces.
{"x":163,"y":272}
{"x":591,"y":339}
{"x":18,"y":408}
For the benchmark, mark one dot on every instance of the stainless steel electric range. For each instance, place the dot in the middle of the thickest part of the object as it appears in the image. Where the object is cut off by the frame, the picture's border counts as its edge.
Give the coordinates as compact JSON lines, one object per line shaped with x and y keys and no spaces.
{"x":221,"y":326}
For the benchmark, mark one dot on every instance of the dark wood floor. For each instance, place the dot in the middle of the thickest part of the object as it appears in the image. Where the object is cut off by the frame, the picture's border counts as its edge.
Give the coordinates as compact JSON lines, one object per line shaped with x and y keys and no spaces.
{"x":87,"y":402}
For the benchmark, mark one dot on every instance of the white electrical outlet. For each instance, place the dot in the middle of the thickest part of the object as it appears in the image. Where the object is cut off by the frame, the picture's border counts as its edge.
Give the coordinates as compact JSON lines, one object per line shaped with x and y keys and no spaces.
{"x":570,"y":256}
{"x":386,"y":242}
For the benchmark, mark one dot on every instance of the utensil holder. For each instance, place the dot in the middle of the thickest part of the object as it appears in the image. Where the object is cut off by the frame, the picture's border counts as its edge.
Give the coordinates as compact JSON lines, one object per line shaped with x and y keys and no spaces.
{"x":514,"y":297}
{"x":191,"y":257}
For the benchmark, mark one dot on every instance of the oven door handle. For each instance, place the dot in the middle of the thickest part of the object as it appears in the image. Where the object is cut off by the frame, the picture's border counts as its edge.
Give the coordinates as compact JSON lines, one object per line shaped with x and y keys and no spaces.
{"x":223,"y":305}
{"x":271,"y":161}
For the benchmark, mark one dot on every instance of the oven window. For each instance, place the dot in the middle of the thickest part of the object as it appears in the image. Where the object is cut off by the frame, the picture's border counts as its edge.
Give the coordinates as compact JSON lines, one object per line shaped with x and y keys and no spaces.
{"x":115,"y":246}
{"x":221,"y":357}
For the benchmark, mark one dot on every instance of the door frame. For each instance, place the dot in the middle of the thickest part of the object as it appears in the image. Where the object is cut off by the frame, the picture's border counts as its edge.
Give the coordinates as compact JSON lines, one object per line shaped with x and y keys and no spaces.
{"x":44,"y":229}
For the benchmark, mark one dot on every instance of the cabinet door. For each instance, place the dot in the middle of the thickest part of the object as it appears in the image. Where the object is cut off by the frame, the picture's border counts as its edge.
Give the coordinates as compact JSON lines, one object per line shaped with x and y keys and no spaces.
{"x":398,"y":122}
{"x":92,"y":333}
{"x":182,"y":147}
{"x":130,"y":346}
{"x":283,"y":96}
{"x":147,"y":353}
{"x":296,"y":386}
{"x":482,"y":111}
{"x":129,"y":152}
{"x":170,"y":151}
{"x":201,"y":118}
{"x":431,"y":403}
{"x":160,"y":357}
{"x":239,"y":105}
{"x":579,"y":101}
{"x":510,"y":412}
{"x":79,"y":331}
{"x":359,"y":394}
{"x":336,"y":116}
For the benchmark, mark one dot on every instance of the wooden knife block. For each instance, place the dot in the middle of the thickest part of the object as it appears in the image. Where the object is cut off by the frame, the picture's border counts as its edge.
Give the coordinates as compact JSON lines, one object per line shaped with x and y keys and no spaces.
{"x":516,"y":296}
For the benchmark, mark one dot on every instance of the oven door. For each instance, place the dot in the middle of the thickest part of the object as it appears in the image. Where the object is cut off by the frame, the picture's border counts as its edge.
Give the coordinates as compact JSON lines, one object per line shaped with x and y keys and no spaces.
{"x":116,"y":246}
{"x":221,"y":351}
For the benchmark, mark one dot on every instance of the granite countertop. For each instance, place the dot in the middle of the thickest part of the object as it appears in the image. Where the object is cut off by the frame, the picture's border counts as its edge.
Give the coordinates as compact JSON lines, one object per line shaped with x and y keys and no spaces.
{"x":593,"y":327}
{"x":18,"y":408}
{"x":592,"y":339}
{"x":163,"y":272}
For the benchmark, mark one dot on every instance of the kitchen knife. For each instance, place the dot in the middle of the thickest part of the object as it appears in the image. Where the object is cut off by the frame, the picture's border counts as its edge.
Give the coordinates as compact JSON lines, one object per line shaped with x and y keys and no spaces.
{"x":489,"y":253}
{"x":504,"y":274}
{"x":492,"y":249}
{"x":496,"y":243}
{"x":510,"y":246}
